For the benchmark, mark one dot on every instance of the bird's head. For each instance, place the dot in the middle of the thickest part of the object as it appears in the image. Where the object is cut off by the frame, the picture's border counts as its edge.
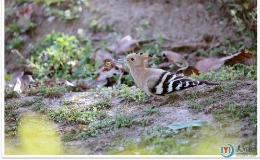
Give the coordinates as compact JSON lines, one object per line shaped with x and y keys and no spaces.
{"x":137,"y":59}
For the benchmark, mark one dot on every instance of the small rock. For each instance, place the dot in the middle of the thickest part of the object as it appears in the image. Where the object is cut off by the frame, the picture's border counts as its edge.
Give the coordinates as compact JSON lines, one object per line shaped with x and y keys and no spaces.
{"x":121,"y":148}
{"x":50,"y":19}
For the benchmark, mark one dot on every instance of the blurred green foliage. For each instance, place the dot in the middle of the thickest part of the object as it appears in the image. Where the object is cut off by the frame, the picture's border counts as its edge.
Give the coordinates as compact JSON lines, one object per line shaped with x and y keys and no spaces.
{"x":62,"y":56}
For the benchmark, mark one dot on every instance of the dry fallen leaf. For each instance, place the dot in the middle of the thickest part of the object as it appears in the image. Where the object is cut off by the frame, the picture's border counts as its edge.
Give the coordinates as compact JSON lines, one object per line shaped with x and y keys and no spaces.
{"x":82,"y":87}
{"x":126,"y":44}
{"x":209,"y":63}
{"x":214,"y":63}
{"x":49,"y":82}
{"x":240,"y":57}
{"x":103,"y":76}
{"x":101,"y":56}
{"x":188,"y":70}
{"x":174,"y":58}
{"x":164,"y":65}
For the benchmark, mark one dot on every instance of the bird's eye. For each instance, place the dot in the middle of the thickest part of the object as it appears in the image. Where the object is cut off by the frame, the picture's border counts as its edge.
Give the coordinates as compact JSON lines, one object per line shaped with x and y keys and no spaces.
{"x":132,"y":59}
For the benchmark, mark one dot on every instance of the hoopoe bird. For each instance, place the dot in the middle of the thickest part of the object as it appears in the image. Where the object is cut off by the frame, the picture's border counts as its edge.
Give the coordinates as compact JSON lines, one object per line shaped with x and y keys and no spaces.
{"x":158,"y":82}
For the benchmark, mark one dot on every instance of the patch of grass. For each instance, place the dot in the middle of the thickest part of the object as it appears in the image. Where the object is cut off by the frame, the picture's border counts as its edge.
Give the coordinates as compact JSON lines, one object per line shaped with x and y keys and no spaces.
{"x":152,"y":110}
{"x":76,"y":134}
{"x":210,"y":100}
{"x":71,"y":11}
{"x":11,"y":130}
{"x":55,"y":91}
{"x":97,"y":27}
{"x":65,"y":102}
{"x":231,"y":110}
{"x":81,"y":115}
{"x":15,"y":31}
{"x":38,"y":106}
{"x":249,"y":72}
{"x":254,"y":88}
{"x":102,"y":104}
{"x":129,"y":93}
{"x":128,"y":80}
{"x":11,"y":94}
{"x":192,"y":95}
{"x":8,"y":78}
{"x":75,"y":64}
{"x":14,"y":104}
{"x":226,"y":88}
{"x":68,"y":137}
{"x":194,"y":105}
{"x":123,"y":120}
{"x":145,"y":121}
{"x":227,"y":73}
{"x":101,"y":124}
{"x":156,"y":141}
{"x":12,"y":116}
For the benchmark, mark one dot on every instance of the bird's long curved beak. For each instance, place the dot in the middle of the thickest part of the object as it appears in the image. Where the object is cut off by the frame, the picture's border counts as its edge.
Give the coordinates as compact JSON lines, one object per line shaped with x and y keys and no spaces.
{"x":120,"y":61}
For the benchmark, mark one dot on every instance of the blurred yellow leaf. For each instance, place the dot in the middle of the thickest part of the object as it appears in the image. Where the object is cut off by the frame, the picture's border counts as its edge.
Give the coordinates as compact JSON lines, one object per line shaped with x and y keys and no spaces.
{"x":37,"y":136}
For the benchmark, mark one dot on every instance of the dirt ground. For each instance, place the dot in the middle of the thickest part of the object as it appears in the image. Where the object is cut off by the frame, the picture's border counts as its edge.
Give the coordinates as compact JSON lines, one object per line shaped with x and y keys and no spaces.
{"x":185,"y":24}
{"x":178,"y":111}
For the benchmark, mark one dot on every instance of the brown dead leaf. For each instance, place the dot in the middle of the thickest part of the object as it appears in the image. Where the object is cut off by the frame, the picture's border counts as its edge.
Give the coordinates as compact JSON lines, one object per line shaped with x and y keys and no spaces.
{"x":209,"y":63}
{"x":164,"y":65}
{"x":214,"y":63}
{"x":108,"y":74}
{"x":171,"y":46}
{"x":49,"y":82}
{"x":103,"y":76}
{"x":240,"y":57}
{"x":126,"y":44}
{"x":174,"y":58}
{"x":188,"y":70}
{"x":101,"y":56}
{"x":82,"y":87}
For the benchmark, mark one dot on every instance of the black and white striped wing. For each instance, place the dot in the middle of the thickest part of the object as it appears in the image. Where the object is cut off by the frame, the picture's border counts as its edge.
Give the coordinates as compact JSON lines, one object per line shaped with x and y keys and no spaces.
{"x":169,"y":83}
